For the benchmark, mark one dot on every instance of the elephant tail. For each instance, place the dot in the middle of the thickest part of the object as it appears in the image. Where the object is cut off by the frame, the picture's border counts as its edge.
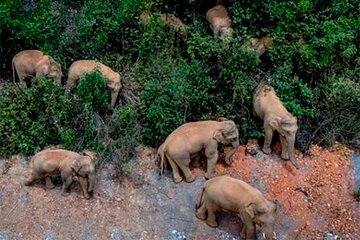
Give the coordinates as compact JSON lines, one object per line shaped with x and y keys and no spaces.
{"x":162,"y":155}
{"x":13,"y":69}
{"x":201,"y":199}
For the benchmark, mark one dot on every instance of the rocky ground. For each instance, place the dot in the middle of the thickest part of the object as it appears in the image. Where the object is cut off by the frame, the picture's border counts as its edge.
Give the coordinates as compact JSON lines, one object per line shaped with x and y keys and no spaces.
{"x":142,"y":205}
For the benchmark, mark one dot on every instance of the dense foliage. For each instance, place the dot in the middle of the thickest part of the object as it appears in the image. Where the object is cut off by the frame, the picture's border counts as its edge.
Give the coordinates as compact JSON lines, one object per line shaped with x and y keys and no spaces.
{"x":313,"y":63}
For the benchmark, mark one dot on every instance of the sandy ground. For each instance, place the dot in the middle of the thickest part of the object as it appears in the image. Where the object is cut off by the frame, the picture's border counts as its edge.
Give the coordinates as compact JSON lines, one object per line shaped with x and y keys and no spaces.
{"x":142,"y":205}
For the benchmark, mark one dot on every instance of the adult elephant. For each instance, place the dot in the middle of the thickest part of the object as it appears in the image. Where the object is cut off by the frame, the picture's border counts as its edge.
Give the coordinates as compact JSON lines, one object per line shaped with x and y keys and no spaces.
{"x":193,"y":138}
{"x":268,"y":107}
{"x":68,"y":164}
{"x":229,"y":194}
{"x":79,"y":68}
{"x":34,"y":63}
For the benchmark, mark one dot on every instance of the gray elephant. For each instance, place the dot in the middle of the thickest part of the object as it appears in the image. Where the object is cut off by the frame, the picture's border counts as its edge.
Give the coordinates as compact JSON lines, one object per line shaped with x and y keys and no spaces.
{"x":268,"y":107}
{"x":34,"y":63}
{"x":191,"y":139}
{"x":228,"y":194}
{"x":70,"y":165}
{"x":81,"y":67}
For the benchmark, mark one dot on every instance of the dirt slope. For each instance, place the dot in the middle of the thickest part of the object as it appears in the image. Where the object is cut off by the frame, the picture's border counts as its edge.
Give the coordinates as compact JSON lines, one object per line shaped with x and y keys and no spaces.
{"x":313,"y":200}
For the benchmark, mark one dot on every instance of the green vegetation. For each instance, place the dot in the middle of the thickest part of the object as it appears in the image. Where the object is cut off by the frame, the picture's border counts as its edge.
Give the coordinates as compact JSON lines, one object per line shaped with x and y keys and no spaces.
{"x":357,"y":195}
{"x":313,"y":63}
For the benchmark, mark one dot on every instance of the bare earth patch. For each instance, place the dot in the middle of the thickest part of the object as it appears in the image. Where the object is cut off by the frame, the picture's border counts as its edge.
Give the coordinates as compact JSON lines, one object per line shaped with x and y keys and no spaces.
{"x":143,"y":205}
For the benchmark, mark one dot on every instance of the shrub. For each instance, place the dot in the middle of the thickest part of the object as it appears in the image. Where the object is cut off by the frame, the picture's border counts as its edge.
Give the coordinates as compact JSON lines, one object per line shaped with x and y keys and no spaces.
{"x":174,"y":92}
{"x":33,"y":118}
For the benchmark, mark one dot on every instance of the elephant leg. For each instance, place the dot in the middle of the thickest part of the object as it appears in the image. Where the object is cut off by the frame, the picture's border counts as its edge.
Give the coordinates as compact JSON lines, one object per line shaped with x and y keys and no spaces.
{"x":201,"y":212}
{"x":211,"y":162}
{"x":67,"y":181}
{"x":284,"y":148}
{"x":243,"y":231}
{"x":250,"y":230}
{"x":184,"y":166}
{"x":49,"y":182}
{"x":176,"y":174}
{"x":211,"y":218}
{"x":268,"y":137}
{"x":22,"y":78}
{"x":84,"y":186}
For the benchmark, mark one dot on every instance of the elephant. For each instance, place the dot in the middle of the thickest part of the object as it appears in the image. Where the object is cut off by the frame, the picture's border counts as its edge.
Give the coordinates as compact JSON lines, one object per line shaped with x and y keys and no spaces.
{"x":269,"y":107}
{"x":35,"y":63}
{"x":79,"y":68}
{"x":220,"y":22}
{"x":70,"y":165}
{"x":193,"y":138}
{"x":228,"y":194}
{"x":168,"y":19}
{"x":259,"y":45}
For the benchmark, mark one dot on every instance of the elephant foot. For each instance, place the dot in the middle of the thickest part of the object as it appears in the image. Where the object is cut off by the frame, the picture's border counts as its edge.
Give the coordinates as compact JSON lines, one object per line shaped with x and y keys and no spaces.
{"x":200,"y":215}
{"x":27,"y":182}
{"x":212,"y":224}
{"x":295,"y":163}
{"x":242,"y":235}
{"x":177,"y":179}
{"x":208,"y":176}
{"x":284,"y":155}
{"x":190,"y":178}
{"x":49,"y":184}
{"x":266,"y":150}
{"x":65,"y":194}
{"x":227,"y":161}
{"x":87,"y":196}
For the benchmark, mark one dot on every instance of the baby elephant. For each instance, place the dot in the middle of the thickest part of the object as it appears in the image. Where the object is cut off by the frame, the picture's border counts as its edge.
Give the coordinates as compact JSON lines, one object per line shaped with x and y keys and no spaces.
{"x":232,"y":195}
{"x":268,"y":107}
{"x":70,"y":165}
{"x":220,"y":22}
{"x":79,"y":68}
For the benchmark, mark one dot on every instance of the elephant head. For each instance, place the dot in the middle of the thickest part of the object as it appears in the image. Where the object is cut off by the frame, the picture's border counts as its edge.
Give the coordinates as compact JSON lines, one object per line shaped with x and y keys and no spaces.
{"x":227,"y":134}
{"x":84,"y":167}
{"x":263,"y":214}
{"x":54,"y":70}
{"x":114,"y":83}
{"x":287,"y":128}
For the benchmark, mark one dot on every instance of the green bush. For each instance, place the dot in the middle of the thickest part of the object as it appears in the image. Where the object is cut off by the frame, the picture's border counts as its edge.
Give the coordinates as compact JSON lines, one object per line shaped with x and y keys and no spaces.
{"x":174,"y":92}
{"x":33,"y":118}
{"x":313,"y":64}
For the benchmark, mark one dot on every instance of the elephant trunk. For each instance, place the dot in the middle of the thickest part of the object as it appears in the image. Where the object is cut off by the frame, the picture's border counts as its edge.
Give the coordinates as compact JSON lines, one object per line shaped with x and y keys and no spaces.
{"x":290,"y":146}
{"x":114,"y":96}
{"x":234,"y":145}
{"x":91,"y":179}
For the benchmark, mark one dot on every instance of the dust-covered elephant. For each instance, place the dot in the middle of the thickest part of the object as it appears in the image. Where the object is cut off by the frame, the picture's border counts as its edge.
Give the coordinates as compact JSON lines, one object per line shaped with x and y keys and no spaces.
{"x":268,"y":107}
{"x":30,"y":63}
{"x":220,"y":22}
{"x":79,"y":68}
{"x":259,"y":45}
{"x":167,"y":18}
{"x":68,"y":164}
{"x":193,"y":138}
{"x":228,"y":194}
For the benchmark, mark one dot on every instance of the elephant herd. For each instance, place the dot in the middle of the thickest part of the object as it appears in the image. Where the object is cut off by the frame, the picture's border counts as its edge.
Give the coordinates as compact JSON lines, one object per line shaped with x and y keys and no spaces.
{"x":188,"y":143}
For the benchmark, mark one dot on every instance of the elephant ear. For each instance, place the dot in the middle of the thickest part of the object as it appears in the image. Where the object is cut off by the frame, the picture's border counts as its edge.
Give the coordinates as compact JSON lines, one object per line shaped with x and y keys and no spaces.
{"x":275,"y":123}
{"x":76,"y":166}
{"x":218,"y":135}
{"x":222,"y":119}
{"x":250,"y":209}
